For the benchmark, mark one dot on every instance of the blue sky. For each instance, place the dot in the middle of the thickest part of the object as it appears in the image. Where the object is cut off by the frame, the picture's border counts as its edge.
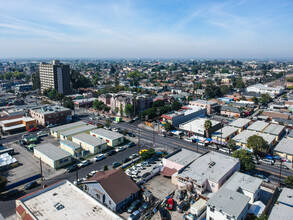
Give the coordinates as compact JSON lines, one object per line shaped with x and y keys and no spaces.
{"x":147,"y":28}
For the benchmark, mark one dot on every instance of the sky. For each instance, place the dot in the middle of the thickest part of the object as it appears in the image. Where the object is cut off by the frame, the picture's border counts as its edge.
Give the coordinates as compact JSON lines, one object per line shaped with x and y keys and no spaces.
{"x":146,"y":29}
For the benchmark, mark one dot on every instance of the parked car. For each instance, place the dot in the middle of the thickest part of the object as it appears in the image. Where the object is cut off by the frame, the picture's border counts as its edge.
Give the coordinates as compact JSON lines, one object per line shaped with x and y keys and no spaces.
{"x":11,"y":193}
{"x":31,"y":185}
{"x":267,"y":161}
{"x":116,"y":164}
{"x":183,"y":206}
{"x":111,"y":152}
{"x":145,"y":175}
{"x":115,"y":129}
{"x":144,"y":206}
{"x":99,"y":125}
{"x":263,"y":177}
{"x":135,"y":215}
{"x":125,"y":160}
{"x":33,"y":129}
{"x":42,"y":134}
{"x":131,"y":121}
{"x":99,"y":157}
{"x":225,"y":150}
{"x":130,"y":144}
{"x":130,"y":134}
{"x":72,"y":168}
{"x":118,"y":149}
{"x":84,"y":163}
{"x":163,"y":213}
{"x":91,"y":122}
{"x":51,"y":125}
{"x":132,"y":156}
{"x":133,"y":206}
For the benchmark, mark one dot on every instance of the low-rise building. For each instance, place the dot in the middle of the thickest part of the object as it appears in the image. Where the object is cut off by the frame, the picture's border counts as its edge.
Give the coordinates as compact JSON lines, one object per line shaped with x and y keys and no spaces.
{"x":232,"y":111}
{"x":67,"y":135}
{"x":207,"y":173}
{"x":17,"y":124}
{"x":106,"y":187}
{"x":283,"y":208}
{"x":262,"y":89}
{"x":112,"y":138}
{"x":196,"y":126}
{"x":71,"y":147}
{"x":54,"y":156}
{"x":61,"y":200}
{"x":187,"y":113}
{"x":224,"y":134}
{"x":275,"y":130}
{"x":23,"y":87}
{"x":284,"y":149}
{"x":240,"y":123}
{"x":51,"y":115}
{"x":90,"y":143}
{"x":55,"y":132}
{"x":174,"y":162}
{"x":258,"y":126}
{"x":209,"y":105}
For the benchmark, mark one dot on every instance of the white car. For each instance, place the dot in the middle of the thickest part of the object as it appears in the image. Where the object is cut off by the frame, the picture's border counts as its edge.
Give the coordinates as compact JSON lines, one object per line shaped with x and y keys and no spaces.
{"x":188,"y":139}
{"x":42,"y":134}
{"x":80,"y":180}
{"x":99,"y":157}
{"x":225,"y":150}
{"x":118,"y":149}
{"x":115,"y":122}
{"x":115,"y":129}
{"x":83,"y":163}
{"x":132,"y":156}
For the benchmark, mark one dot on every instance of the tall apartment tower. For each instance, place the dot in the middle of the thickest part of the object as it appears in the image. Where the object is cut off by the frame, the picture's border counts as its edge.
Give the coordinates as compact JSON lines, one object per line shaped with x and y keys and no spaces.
{"x":55,"y":76}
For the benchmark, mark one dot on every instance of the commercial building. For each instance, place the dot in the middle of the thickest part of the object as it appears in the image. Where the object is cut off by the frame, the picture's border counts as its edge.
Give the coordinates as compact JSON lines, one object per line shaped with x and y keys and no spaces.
{"x":106,"y":187}
{"x":209,"y":105}
{"x":283,"y":208}
{"x":240,"y":123}
{"x":187,"y":113}
{"x":90,"y":143}
{"x":112,"y":138}
{"x":17,"y":124}
{"x":232,"y":111}
{"x":207,"y":173}
{"x":54,"y":156}
{"x":196,"y":126}
{"x":67,"y":135}
{"x":23,"y":87}
{"x":51,"y":115}
{"x":284,"y":149}
{"x":55,"y":76}
{"x":71,"y":147}
{"x":258,"y":126}
{"x":262,"y":89}
{"x":61,"y":200}
{"x":276,"y":130}
{"x":174,"y":162}
{"x":55,"y":132}
{"x":224,"y":134}
{"x":84,"y":102}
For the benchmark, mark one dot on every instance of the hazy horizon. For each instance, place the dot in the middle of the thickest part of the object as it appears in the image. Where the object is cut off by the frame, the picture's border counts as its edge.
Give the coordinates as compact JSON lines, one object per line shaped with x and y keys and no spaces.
{"x":137,"y":29}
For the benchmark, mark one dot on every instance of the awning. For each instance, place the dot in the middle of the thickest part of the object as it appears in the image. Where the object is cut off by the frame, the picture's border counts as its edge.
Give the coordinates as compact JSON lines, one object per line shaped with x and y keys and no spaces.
{"x":209,"y":139}
{"x":219,"y":142}
{"x":168,"y":171}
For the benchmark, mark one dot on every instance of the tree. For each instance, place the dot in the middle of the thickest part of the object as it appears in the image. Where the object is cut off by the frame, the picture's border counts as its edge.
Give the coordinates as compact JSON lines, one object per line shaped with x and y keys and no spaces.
{"x":36,"y":80}
{"x":176,"y":105}
{"x":121,"y":109}
{"x":98,"y":105}
{"x":265,"y":98}
{"x":129,"y":109}
{"x":68,"y":103}
{"x":52,"y":94}
{"x":59,"y":96}
{"x":105,"y":168}
{"x":107,"y":123}
{"x":3,"y":182}
{"x":168,"y":126}
{"x":207,"y":127}
{"x":239,"y":83}
{"x":148,"y":154}
{"x":257,"y":144}
{"x":107,"y":108}
{"x":289,"y":181}
{"x":255,"y":100}
{"x":125,"y":132}
{"x":78,"y":80}
{"x":231,"y":145}
{"x":246,"y":159}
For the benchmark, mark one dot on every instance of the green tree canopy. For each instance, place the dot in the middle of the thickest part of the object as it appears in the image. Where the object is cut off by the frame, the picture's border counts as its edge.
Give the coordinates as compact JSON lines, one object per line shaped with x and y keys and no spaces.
{"x":129,"y":109}
{"x":3,"y":182}
{"x":207,"y":127}
{"x":107,"y":123}
{"x":265,"y":98}
{"x":68,"y":103}
{"x":231,"y":145}
{"x":168,"y":126}
{"x":239,"y":83}
{"x":257,"y":144}
{"x":176,"y":105}
{"x":289,"y":181}
{"x":98,"y":105}
{"x":246,"y":159}
{"x":78,"y":80}
{"x":255,"y":100}
{"x":148,"y":154}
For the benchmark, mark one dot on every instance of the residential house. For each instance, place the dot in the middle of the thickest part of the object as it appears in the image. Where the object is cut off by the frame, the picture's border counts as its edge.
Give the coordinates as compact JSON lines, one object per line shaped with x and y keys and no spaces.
{"x":231,"y":111}
{"x":284,"y":149}
{"x":224,"y":135}
{"x":240,"y":123}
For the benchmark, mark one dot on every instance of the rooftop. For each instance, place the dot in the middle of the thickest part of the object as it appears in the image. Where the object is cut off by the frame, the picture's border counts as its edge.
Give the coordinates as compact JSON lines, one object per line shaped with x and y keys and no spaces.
{"x":244,"y":181}
{"x":211,"y":166}
{"x":225,"y":131}
{"x":51,"y":151}
{"x":239,"y":123}
{"x":258,"y":126}
{"x":184,"y":157}
{"x":274,"y":129}
{"x":285,"y":146}
{"x":229,"y":202}
{"x":63,"y":200}
{"x":78,"y":130}
{"x":187,"y":111}
{"x":243,"y":136}
{"x":204,"y":102}
{"x":70,"y":144}
{"x":196,"y":125}
{"x":26,"y":119}
{"x":267,"y":137}
{"x":67,"y":126}
{"x":286,"y":197}
{"x":86,"y":138}
{"x":107,"y":134}
{"x":50,"y":109}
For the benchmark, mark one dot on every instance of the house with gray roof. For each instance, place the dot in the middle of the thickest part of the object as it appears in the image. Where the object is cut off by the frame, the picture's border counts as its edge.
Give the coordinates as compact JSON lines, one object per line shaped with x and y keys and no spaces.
{"x":231,"y":111}
{"x":284,"y":149}
{"x":89,"y":143}
{"x":276,"y":130}
{"x":224,"y":134}
{"x":77,"y":130}
{"x":112,"y":138}
{"x":240,"y":123}
{"x":258,"y":126}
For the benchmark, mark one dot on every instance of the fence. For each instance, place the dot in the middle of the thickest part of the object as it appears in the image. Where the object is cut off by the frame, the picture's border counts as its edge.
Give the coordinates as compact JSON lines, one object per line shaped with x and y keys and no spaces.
{"x":23,"y":181}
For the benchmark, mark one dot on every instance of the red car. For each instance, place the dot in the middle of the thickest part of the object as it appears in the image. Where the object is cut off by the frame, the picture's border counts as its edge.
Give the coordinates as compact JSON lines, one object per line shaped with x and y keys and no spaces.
{"x":33,"y":129}
{"x":91,"y":122}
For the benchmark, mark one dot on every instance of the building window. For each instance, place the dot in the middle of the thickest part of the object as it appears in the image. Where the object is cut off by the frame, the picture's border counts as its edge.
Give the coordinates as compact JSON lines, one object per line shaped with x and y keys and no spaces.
{"x":98,"y":196}
{"x":109,"y":202}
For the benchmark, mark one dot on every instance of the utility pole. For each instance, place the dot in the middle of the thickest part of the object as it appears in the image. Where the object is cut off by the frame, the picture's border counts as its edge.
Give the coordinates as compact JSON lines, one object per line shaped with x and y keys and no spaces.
{"x":138,"y":144}
{"x":280,"y":172}
{"x":196,"y":143}
{"x":41,"y":167}
{"x":153,"y":135}
{"x":221,"y":131}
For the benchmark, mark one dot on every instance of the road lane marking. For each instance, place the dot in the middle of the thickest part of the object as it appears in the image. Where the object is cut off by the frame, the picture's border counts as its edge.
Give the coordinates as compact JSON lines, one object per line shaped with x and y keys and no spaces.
{"x":182,"y":145}
{"x":277,"y":174}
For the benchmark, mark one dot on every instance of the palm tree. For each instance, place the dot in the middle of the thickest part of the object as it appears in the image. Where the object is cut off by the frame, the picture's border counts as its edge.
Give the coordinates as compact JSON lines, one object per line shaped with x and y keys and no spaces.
{"x":207,"y":127}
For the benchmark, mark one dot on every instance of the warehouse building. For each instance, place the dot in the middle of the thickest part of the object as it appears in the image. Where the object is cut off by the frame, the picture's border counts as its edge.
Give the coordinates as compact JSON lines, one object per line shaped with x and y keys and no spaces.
{"x":17,"y":124}
{"x":90,"y":143}
{"x":55,"y":132}
{"x":52,"y":155}
{"x":258,"y":126}
{"x":112,"y":138}
{"x":240,"y":123}
{"x":67,"y":135}
{"x":71,"y":147}
{"x":276,"y":130}
{"x":224,"y":135}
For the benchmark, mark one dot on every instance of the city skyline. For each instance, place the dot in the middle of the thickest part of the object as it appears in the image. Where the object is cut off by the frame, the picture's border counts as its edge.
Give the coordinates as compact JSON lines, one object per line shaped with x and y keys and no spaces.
{"x":146,"y":29}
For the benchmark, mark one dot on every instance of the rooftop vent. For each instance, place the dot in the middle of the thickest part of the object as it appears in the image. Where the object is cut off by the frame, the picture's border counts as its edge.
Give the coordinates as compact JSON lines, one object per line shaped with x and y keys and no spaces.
{"x":212,"y":163}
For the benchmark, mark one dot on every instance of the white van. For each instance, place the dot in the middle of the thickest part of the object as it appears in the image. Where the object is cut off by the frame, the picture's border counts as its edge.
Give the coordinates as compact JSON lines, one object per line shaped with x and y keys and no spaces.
{"x":197,"y":209}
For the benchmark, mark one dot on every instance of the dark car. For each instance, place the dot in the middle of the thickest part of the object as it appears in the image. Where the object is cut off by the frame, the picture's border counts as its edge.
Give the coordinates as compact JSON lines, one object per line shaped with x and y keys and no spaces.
{"x":72,"y":168}
{"x":99,"y":125}
{"x":183,"y":206}
{"x":125,"y":160}
{"x":130,"y":134}
{"x":144,"y":207}
{"x":31,"y":185}
{"x":131,"y":121}
{"x":133,"y":206}
{"x":163,"y":213}
{"x":130,"y":144}
{"x":11,"y":193}
{"x":145,"y":175}
{"x":111,"y":152}
{"x":116,"y":164}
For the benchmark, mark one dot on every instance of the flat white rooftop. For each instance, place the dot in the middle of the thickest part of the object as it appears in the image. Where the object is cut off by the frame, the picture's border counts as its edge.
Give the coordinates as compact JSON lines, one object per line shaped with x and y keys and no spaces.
{"x":63,"y":200}
{"x":196,"y":125}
